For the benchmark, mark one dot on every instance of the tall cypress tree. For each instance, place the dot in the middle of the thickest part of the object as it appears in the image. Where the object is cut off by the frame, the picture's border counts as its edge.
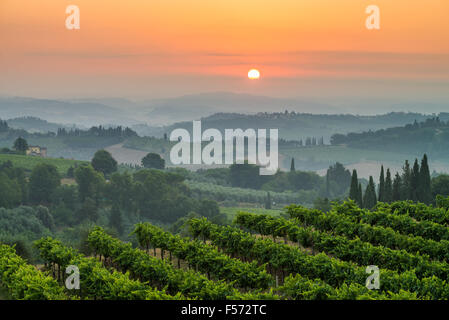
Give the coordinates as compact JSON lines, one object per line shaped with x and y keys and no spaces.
{"x":397,"y":186}
{"x":382,"y":185}
{"x":268,"y":201}
{"x":354,"y":190}
{"x":424,"y":187}
{"x":370,"y":198}
{"x":388,"y":191}
{"x":414,"y":182}
{"x":360,"y":196}
{"x":292,"y":165}
{"x":406,"y":192}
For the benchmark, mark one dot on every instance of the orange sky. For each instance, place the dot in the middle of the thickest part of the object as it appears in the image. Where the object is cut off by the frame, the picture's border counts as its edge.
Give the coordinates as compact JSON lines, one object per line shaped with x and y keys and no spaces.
{"x":146,"y":48}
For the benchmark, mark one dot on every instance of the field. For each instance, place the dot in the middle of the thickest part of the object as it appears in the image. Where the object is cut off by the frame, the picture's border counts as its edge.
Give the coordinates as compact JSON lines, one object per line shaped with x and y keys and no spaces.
{"x":305,"y":254}
{"x":29,"y":162}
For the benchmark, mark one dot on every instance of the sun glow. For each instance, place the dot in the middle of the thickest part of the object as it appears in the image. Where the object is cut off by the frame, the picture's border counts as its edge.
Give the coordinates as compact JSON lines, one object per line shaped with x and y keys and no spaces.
{"x":253,"y":74}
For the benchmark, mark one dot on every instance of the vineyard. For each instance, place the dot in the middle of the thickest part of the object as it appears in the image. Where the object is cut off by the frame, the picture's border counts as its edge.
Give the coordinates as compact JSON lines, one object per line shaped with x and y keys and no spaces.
{"x":300,"y":254}
{"x":221,"y":193}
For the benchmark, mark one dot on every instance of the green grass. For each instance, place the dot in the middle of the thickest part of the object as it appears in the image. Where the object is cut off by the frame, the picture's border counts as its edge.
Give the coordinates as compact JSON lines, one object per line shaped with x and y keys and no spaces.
{"x":232,"y":211}
{"x":29,"y":162}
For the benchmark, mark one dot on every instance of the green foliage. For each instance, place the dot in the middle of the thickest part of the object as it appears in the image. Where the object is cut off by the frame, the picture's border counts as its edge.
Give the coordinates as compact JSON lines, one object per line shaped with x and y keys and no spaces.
{"x":397,"y":188}
{"x":45,"y":217}
{"x":354,"y":190}
{"x":43,"y":182}
{"x":20,"y":145}
{"x":22,"y":223}
{"x":154,"y":161}
{"x":344,"y":219}
{"x":120,"y":190}
{"x":442,"y":202}
{"x":388,"y":188}
{"x":381,"y":194}
{"x":10,"y":192}
{"x":246,"y":176}
{"x":355,"y":250}
{"x":440,"y":185}
{"x":116,"y":219}
{"x":291,"y":259}
{"x":268,"y":201}
{"x":370,"y":198}
{"x":28,"y":163}
{"x":157,"y":272}
{"x":322,"y":204}
{"x":70,"y":172}
{"x":430,"y":136}
{"x":414,"y":184}
{"x":95,"y":280}
{"x":104,"y":162}
{"x":88,"y":211}
{"x":338,"y":180}
{"x":90,"y":182}
{"x":298,"y":287}
{"x":424,"y":187}
{"x":221,"y":193}
{"x":23,"y":281}
{"x":206,"y":258}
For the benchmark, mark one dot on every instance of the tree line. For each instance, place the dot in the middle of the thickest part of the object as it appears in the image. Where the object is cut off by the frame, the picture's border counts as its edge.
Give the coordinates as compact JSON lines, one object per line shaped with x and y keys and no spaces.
{"x":429,"y":136}
{"x":101,"y":191}
{"x":99,"y":131}
{"x":414,"y":183}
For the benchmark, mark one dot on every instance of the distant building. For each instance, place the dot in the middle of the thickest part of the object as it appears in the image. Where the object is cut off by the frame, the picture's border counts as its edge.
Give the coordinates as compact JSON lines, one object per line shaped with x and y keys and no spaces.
{"x":37,"y":151}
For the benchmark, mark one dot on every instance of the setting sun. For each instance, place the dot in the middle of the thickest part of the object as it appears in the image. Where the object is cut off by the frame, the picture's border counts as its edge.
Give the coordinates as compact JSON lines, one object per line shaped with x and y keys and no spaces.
{"x":253,"y":74}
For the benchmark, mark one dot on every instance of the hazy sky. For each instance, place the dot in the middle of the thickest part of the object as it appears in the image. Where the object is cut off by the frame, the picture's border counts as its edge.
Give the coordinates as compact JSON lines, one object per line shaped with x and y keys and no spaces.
{"x":159,"y":48}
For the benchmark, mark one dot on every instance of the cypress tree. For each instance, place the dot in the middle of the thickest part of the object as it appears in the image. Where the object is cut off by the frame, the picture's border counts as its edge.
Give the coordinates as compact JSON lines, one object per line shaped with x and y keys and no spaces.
{"x":388,"y":191}
{"x":406,"y":192}
{"x":397,"y":186}
{"x":354,"y":190}
{"x":424,"y":187}
{"x":370,"y":199}
{"x":414,"y":182}
{"x":382,"y":185}
{"x":268,"y":201}
{"x":292,"y":165}
{"x":360,"y":196}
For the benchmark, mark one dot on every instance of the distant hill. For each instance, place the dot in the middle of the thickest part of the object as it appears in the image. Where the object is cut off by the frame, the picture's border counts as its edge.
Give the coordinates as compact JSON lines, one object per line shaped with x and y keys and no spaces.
{"x":195,"y":106}
{"x":59,"y":111}
{"x":34,"y":124}
{"x":70,"y":143}
{"x":430,"y":136}
{"x":292,"y":125}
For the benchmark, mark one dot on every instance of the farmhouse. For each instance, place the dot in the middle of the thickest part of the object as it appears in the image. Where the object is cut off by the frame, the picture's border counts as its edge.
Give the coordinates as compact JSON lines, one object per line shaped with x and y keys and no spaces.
{"x":36,"y":151}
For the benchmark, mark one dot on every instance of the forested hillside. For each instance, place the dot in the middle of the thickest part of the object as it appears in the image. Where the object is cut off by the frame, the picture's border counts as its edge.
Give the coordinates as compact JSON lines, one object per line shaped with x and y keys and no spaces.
{"x":297,"y":126}
{"x":430,"y":136}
